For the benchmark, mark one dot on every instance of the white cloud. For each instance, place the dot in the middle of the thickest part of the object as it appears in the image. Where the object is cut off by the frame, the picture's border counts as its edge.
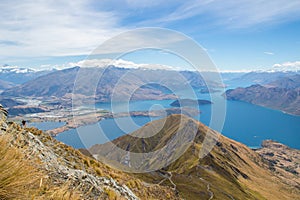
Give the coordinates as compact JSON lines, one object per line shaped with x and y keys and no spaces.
{"x":48,"y":28}
{"x":287,"y":66}
{"x":140,"y":39}
{"x":236,"y":71}
{"x":236,"y":14}
{"x":142,"y":3}
{"x":100,"y":63}
{"x":57,"y":28}
{"x":119,"y":63}
{"x":269,"y":53}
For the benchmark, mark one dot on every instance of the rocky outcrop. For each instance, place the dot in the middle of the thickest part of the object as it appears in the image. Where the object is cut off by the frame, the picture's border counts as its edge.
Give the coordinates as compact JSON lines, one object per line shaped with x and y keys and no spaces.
{"x":59,"y":161}
{"x":60,"y":169}
{"x":3,"y":117}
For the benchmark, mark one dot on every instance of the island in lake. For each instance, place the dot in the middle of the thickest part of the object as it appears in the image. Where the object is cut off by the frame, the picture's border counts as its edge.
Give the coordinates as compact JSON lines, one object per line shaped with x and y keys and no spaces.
{"x":189,"y":102}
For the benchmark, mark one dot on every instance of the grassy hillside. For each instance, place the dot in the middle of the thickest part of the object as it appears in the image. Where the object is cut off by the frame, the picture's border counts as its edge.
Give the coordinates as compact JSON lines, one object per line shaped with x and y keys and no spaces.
{"x":20,"y":179}
{"x":230,"y":171}
{"x":35,"y":165}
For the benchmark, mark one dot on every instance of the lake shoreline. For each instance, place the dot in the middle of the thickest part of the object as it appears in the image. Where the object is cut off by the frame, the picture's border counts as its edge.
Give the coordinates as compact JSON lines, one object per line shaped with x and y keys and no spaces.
{"x":95,"y":116}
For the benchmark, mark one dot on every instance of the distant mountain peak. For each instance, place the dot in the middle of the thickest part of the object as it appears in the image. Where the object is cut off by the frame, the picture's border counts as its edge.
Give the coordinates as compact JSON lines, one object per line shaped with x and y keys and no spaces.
{"x":286,"y":67}
{"x":15,"y":69}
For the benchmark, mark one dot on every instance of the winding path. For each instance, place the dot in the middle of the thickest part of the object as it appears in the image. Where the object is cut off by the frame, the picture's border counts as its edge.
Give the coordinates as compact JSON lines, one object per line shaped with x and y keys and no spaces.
{"x":210,"y":192}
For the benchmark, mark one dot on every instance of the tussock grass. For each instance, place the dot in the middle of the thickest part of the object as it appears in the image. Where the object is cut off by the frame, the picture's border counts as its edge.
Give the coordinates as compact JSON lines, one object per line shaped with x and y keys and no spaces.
{"x":74,"y":159}
{"x":57,"y":192}
{"x":111,"y":194}
{"x":19,"y":179}
{"x":16,"y":175}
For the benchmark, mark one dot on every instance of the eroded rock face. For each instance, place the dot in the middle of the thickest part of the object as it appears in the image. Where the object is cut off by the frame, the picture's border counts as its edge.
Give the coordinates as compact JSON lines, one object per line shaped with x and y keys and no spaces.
{"x":3,"y":117}
{"x":59,"y":169}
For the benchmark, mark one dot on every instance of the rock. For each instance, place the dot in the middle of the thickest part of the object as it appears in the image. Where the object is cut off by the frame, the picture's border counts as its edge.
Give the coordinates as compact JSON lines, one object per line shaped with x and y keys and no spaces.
{"x":3,"y":117}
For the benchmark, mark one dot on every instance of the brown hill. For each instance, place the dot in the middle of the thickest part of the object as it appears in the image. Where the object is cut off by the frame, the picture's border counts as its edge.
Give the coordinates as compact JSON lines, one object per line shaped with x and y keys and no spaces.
{"x":230,"y":171}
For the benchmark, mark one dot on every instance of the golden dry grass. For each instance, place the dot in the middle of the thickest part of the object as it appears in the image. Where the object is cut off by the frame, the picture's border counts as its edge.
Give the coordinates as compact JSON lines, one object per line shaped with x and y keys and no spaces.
{"x":16,"y":175}
{"x":20,"y":180}
{"x":72,"y":158}
{"x":57,"y":192}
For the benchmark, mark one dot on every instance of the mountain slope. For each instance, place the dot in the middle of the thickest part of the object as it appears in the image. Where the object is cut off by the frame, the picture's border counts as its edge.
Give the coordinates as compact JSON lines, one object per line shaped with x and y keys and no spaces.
{"x":139,"y":84}
{"x":5,"y":85}
{"x":58,"y":168}
{"x":290,"y":82}
{"x":230,"y":171}
{"x":281,"y":94}
{"x":284,"y":99}
{"x":252,"y":78}
{"x":284,"y":161}
{"x":57,"y":83}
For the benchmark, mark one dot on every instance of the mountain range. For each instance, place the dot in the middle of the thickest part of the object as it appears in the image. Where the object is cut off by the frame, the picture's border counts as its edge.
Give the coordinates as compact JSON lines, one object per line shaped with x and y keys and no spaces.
{"x":16,"y":75}
{"x":144,"y":84}
{"x":281,"y":94}
{"x":255,"y":77}
{"x":277,"y":90}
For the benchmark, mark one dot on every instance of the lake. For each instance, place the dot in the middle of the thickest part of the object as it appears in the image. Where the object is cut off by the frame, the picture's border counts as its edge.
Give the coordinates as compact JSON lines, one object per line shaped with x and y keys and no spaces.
{"x":246,"y":123}
{"x":46,"y":125}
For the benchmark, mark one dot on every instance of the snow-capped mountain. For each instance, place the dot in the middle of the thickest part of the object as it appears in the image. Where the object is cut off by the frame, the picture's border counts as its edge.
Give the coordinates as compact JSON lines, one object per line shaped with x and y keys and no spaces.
{"x":286,"y":67}
{"x":15,"y":69}
{"x":17,"y":75}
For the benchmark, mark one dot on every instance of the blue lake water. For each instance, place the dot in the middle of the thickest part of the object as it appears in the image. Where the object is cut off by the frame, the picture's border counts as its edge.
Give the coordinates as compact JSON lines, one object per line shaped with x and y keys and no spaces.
{"x":46,"y":125}
{"x":99,"y":133}
{"x":246,"y":123}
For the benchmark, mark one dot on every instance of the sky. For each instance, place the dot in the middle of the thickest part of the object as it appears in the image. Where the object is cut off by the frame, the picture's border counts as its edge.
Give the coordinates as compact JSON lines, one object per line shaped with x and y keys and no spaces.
{"x":237,"y":35}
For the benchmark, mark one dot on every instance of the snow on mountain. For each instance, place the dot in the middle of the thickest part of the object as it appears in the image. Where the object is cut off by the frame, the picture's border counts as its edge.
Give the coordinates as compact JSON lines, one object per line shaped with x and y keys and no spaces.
{"x":286,"y":67}
{"x":20,"y":75}
{"x":101,"y":63}
{"x":15,"y":69}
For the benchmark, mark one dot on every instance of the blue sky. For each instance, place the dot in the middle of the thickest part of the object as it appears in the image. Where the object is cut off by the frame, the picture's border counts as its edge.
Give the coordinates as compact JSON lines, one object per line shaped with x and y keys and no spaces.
{"x":237,"y":35}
